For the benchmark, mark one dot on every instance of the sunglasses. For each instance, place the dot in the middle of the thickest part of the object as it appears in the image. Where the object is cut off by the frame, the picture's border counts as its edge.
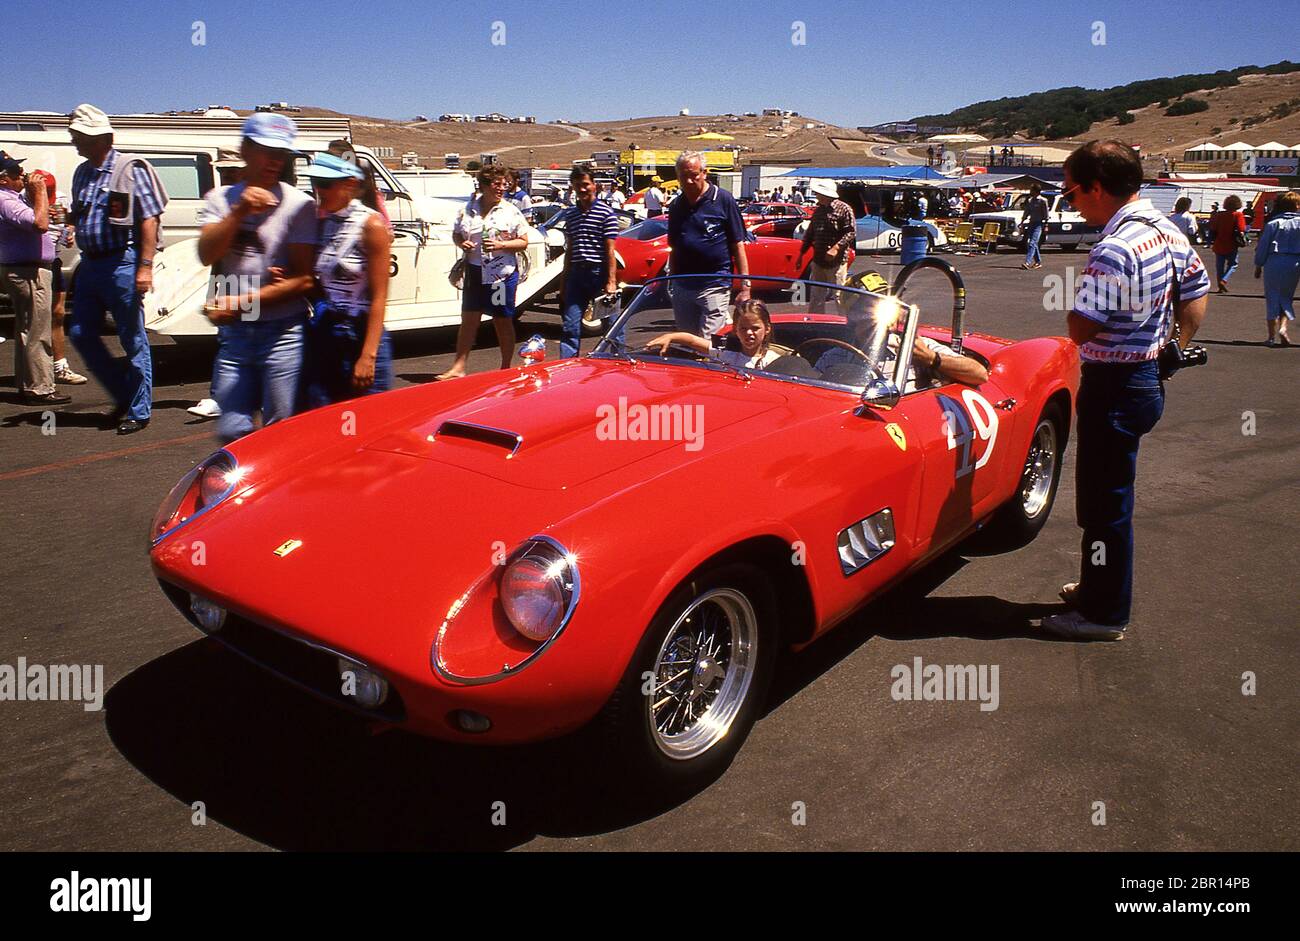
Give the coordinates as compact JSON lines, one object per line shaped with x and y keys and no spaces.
{"x":319,"y":183}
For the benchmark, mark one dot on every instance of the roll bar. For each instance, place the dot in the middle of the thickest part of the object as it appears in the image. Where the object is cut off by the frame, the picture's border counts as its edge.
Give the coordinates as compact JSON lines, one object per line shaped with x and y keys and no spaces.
{"x":958,"y":289}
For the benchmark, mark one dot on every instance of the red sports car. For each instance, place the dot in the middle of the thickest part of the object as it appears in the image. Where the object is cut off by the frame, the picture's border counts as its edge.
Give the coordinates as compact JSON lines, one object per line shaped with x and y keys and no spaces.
{"x":624,"y":541}
{"x":642,"y":253}
{"x":778,"y":210}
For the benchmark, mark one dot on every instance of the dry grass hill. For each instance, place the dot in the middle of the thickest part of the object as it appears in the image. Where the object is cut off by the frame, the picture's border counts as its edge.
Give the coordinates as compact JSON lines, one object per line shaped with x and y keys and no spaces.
{"x":766,"y":138}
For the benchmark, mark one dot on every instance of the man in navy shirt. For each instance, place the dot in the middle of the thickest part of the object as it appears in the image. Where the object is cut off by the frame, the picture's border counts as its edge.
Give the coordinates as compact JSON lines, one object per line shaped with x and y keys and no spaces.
{"x":704,"y":232}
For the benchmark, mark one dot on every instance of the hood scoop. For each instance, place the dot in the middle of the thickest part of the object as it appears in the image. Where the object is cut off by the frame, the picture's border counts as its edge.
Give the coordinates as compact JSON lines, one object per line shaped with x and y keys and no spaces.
{"x":485,"y":434}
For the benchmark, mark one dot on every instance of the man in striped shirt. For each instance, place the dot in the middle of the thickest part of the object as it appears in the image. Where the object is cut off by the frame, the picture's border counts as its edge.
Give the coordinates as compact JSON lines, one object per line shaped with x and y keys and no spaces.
{"x":590,"y":228}
{"x":116,"y":269}
{"x":1142,"y":278}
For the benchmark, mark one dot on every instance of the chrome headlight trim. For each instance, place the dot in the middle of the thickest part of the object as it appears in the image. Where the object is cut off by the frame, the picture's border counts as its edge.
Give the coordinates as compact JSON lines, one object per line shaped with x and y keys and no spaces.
{"x":198,"y":472}
{"x":557,"y":552}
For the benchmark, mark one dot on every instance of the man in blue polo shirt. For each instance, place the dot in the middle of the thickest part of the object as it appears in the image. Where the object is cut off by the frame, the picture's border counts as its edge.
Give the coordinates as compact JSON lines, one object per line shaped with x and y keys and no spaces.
{"x":590,"y":228}
{"x":704,"y":232}
{"x":116,"y":219}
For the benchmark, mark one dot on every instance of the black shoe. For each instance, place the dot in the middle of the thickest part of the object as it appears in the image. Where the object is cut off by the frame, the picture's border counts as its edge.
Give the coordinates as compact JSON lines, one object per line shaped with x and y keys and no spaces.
{"x":130,"y":426}
{"x":49,"y":398}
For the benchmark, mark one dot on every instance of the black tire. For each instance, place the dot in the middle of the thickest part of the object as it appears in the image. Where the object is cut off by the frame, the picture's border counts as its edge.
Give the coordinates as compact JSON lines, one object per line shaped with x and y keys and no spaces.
{"x":624,"y":724}
{"x":1069,"y":246}
{"x":1018,"y":520}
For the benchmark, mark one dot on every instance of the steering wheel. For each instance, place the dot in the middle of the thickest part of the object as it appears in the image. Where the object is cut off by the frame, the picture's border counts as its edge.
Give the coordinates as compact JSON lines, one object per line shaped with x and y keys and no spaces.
{"x":831,"y":341}
{"x":873,"y":371}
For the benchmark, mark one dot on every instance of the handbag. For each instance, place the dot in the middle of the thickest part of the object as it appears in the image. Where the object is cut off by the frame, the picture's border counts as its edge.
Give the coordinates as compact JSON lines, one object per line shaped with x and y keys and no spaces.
{"x":457,"y":274}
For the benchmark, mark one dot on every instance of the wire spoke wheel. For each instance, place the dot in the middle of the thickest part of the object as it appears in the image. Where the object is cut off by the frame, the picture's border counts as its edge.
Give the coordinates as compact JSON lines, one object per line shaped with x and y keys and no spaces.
{"x":703,"y":673}
{"x":1040,"y":467}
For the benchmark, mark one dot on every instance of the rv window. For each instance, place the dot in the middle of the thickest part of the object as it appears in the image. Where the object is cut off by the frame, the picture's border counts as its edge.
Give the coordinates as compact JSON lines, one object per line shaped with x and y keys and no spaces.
{"x":179,"y":175}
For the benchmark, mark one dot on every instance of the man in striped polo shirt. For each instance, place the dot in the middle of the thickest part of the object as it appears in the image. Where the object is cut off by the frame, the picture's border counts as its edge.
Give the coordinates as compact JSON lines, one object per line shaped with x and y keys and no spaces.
{"x":1142,"y":278}
{"x":590,"y":228}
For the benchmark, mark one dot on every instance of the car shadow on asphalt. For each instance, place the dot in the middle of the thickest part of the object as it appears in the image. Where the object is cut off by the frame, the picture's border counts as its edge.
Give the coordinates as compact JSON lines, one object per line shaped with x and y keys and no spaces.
{"x":294,"y":773}
{"x":908,"y":612}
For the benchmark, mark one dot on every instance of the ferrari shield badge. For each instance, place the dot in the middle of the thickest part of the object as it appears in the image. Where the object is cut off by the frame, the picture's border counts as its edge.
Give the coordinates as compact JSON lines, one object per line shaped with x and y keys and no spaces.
{"x":897,"y":436}
{"x":287,"y":546}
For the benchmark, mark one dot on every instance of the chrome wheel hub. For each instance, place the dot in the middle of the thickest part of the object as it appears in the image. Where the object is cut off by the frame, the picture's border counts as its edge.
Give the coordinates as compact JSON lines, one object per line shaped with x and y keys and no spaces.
{"x":702,"y":673}
{"x":1040,"y":468}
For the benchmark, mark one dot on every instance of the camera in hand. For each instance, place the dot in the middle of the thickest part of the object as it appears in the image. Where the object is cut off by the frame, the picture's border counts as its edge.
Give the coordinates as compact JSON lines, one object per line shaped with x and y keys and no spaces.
{"x":1173,"y":359}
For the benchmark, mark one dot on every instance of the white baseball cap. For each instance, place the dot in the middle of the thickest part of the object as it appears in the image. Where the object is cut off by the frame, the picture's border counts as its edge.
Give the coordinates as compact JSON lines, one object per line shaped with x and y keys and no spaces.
{"x":89,"y":120}
{"x":825,"y":188}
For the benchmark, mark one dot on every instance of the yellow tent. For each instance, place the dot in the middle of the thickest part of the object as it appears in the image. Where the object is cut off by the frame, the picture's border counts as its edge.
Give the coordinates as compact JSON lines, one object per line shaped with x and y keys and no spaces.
{"x":710,"y":135}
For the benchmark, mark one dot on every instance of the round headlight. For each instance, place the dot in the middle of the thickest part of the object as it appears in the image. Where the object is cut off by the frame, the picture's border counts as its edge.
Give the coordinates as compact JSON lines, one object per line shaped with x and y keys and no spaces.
{"x":533,"y":595}
{"x":215,"y":481}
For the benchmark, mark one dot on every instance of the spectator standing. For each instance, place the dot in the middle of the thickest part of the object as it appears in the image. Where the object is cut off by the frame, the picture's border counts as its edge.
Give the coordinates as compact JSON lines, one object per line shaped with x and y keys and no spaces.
{"x":492,"y":232}
{"x":1036,"y":212}
{"x":116,"y":203}
{"x":518,"y":195}
{"x":831,"y":231}
{"x":1183,"y":218}
{"x":922,"y":206}
{"x":590,"y":229}
{"x":26,"y":268}
{"x":1228,"y":231}
{"x":654,"y":198}
{"x":251,"y":233}
{"x":1161,"y":282}
{"x":705,"y":232}
{"x":347,"y":352}
{"x":616,"y":196}
{"x":1277,"y":258}
{"x":59,"y":235}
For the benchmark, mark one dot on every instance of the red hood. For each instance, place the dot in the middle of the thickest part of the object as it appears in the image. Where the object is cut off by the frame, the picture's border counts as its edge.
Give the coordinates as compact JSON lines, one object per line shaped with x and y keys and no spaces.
{"x":576,"y":420}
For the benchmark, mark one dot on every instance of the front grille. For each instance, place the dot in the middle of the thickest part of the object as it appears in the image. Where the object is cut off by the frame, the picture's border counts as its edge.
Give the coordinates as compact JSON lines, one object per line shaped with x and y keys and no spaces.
{"x":295,"y":661}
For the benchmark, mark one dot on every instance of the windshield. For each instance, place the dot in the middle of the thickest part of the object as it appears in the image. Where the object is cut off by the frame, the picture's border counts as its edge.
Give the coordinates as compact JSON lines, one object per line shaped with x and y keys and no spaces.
{"x":820,"y":335}
{"x":646,"y":231}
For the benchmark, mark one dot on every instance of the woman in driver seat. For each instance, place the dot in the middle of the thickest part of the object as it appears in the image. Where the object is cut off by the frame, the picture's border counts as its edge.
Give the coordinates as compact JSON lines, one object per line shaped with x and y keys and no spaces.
{"x":931,"y":360}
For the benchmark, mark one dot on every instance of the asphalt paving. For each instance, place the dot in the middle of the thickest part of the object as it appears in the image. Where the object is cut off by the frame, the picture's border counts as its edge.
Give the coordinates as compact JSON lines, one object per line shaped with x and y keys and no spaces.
{"x":1149,"y":744}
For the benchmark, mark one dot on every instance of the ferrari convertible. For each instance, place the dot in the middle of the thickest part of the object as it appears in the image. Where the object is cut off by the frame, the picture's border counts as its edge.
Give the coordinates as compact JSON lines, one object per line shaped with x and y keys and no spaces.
{"x":622,"y":544}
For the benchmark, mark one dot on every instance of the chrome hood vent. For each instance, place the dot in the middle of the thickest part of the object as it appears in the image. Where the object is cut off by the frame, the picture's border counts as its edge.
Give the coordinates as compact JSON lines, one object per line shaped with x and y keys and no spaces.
{"x":499,"y":437}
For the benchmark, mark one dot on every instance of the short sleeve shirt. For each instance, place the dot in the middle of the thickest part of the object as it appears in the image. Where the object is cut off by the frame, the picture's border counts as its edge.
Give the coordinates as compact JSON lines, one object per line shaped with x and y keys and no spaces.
{"x":701,"y":235}
{"x":262,"y":242}
{"x":91,"y":205}
{"x":587,"y":232}
{"x":503,"y":221}
{"x":20,"y":242}
{"x":1127,"y":286}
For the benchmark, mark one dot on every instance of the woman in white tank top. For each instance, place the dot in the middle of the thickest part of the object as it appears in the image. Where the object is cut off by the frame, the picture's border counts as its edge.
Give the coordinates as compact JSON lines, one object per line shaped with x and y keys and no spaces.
{"x":348,"y":351}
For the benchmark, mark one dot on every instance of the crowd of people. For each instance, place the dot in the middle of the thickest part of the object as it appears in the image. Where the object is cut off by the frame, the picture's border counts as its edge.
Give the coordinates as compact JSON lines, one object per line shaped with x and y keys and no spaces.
{"x":300,"y":283}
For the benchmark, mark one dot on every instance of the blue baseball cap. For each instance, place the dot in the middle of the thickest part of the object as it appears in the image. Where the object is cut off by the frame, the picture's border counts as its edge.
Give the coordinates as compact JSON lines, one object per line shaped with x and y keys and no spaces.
{"x":329,"y":167}
{"x":270,"y":130}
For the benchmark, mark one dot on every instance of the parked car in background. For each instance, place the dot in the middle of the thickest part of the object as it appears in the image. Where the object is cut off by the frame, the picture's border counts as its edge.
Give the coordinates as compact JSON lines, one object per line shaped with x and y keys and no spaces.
{"x":1065,"y":227}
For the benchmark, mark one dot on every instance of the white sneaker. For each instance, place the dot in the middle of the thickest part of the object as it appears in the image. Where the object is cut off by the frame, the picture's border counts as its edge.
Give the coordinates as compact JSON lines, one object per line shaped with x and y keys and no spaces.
{"x":65,"y":374}
{"x":1074,"y":626}
{"x":208,"y":408}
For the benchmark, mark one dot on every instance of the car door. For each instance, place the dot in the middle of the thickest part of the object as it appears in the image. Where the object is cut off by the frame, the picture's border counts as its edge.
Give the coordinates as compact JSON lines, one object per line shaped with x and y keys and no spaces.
{"x":961,"y":432}
{"x":403,"y":272}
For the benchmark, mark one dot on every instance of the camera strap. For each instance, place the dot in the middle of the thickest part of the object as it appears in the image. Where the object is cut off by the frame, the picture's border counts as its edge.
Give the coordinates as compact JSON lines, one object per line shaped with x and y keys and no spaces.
{"x":1173,"y":274}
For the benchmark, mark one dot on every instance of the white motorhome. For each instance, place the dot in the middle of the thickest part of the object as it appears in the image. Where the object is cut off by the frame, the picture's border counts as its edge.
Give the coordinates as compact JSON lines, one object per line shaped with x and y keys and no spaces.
{"x":183,"y":149}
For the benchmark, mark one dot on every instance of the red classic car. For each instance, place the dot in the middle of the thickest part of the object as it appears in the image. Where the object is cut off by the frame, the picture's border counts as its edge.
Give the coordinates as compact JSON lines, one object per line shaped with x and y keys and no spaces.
{"x":778,"y":210}
{"x":642,"y":254}
{"x":623,"y":542}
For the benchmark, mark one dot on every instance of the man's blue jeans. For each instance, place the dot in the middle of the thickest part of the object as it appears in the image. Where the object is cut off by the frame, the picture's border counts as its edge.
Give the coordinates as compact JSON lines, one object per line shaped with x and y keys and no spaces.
{"x":1032,"y":237}
{"x":583,"y":283}
{"x":258,"y":365}
{"x":1118,"y":403}
{"x":107,"y":285}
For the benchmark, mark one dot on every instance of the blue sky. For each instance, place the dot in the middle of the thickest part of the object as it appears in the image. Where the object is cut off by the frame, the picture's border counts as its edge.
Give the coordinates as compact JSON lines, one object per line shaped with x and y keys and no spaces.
{"x":864,"y":62}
